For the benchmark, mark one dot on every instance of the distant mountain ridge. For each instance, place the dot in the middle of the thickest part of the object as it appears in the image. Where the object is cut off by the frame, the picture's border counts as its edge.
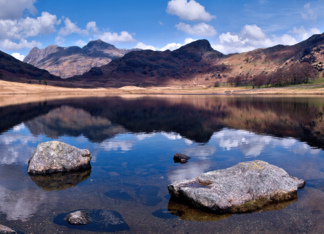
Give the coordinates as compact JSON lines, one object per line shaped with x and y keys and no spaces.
{"x":195,"y":64}
{"x":69,"y":61}
{"x":198,"y":63}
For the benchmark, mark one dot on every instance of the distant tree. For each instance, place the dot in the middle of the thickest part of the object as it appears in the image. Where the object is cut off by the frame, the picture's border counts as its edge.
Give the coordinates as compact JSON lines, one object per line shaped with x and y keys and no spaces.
{"x":216,"y":84}
{"x":44,"y":82}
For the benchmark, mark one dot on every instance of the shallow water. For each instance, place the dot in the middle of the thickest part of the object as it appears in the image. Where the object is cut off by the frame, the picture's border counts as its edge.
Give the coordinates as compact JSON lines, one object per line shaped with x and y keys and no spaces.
{"x":132,"y":142}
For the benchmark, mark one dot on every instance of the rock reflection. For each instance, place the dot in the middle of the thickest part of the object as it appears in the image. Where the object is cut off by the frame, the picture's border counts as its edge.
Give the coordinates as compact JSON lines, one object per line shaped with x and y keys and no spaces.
{"x":60,"y":181}
{"x":187,"y":212}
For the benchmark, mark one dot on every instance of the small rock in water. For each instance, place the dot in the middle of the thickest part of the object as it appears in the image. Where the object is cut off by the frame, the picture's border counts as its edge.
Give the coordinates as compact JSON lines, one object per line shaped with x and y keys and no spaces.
{"x":78,"y":218}
{"x":149,"y":195}
{"x":100,"y":221}
{"x":181,"y":158}
{"x":119,"y":195}
{"x":245,"y":187}
{"x":55,"y":156}
{"x":5,"y":229}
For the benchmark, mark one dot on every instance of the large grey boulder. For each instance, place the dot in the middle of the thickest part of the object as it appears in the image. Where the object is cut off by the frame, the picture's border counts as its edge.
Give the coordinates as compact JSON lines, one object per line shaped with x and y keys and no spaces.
{"x":244,"y":187}
{"x":55,"y":156}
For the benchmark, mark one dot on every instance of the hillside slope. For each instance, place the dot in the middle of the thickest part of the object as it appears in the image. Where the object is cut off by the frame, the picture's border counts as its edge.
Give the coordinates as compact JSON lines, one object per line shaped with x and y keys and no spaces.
{"x":12,"y":69}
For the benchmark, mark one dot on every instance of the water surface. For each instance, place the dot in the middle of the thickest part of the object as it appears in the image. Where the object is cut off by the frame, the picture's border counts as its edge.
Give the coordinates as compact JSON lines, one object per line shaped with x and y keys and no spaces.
{"x":132,"y":142}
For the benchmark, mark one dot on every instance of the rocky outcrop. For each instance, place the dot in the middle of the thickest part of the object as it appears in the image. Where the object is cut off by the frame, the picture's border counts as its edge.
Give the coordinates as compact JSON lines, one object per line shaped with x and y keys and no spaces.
{"x":244,"y":187}
{"x":4,"y":229}
{"x":54,"y":156}
{"x":69,"y":61}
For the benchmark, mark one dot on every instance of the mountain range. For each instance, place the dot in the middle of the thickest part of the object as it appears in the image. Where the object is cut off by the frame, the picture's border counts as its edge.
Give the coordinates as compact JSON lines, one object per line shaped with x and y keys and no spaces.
{"x":194,"y":64}
{"x":66,"y":62}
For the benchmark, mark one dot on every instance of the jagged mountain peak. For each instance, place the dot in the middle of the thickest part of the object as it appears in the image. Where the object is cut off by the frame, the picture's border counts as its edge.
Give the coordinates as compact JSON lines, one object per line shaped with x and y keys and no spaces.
{"x":98,"y":44}
{"x":201,"y":45}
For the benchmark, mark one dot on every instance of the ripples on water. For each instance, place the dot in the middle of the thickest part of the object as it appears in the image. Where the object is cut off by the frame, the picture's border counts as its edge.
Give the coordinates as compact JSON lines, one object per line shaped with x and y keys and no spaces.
{"x":132,"y":142}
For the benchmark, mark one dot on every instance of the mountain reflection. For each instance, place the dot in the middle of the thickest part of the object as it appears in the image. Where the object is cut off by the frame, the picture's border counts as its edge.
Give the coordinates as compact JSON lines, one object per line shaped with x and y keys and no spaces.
{"x":195,"y":118}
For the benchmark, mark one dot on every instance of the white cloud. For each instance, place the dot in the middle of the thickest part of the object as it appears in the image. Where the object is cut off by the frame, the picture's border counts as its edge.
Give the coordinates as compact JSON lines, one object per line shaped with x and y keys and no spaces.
{"x":174,"y":46}
{"x":80,"y":43}
{"x":115,"y":37}
{"x":59,"y":40}
{"x":308,"y":13}
{"x":71,"y":28}
{"x":22,"y":44}
{"x":304,"y":34}
{"x":191,"y":10}
{"x":251,"y":37}
{"x":142,"y":46}
{"x":202,"y":29}
{"x":92,"y":27}
{"x":28,"y":27}
{"x":18,"y":56}
{"x":14,"y":9}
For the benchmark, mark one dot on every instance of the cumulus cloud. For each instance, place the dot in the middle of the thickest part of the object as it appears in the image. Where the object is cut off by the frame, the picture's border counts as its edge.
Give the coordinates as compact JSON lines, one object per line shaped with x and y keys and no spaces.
{"x":18,"y":56}
{"x":115,"y":37}
{"x":202,"y":29}
{"x":22,"y":44}
{"x":71,"y":28}
{"x":191,"y":10}
{"x":304,"y":34}
{"x":28,"y":27}
{"x":251,"y":37}
{"x":143,"y":46}
{"x":174,"y":45}
{"x":308,"y":13}
{"x":14,"y":9}
{"x":80,"y":43}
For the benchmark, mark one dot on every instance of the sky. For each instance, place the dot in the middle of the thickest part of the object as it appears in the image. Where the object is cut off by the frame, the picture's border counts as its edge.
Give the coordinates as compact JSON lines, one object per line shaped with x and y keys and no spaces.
{"x":230,"y":26}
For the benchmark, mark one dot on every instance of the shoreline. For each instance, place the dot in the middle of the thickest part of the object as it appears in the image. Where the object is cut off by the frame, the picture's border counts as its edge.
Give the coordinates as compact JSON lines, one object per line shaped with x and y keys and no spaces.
{"x":12,"y":93}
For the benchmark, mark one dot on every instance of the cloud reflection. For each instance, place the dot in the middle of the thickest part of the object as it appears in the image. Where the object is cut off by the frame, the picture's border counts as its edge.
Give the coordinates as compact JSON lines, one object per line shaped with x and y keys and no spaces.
{"x":188,"y":171}
{"x":252,"y":145}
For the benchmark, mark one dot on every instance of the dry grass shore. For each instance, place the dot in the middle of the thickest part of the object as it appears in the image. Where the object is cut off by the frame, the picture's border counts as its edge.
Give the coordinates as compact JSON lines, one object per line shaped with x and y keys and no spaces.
{"x":12,"y":93}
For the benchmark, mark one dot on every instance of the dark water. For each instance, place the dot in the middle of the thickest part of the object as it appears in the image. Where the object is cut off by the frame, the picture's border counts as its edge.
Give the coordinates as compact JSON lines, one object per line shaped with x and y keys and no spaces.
{"x":133,"y":140}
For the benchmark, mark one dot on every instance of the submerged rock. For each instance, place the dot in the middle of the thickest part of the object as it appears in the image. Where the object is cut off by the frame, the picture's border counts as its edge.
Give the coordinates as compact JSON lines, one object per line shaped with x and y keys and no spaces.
{"x":60,"y":180}
{"x":149,"y":195}
{"x":55,"y":156}
{"x":244,"y":187}
{"x":119,"y":195}
{"x":5,"y":229}
{"x":181,"y":158}
{"x":79,"y":217}
{"x":93,"y":220}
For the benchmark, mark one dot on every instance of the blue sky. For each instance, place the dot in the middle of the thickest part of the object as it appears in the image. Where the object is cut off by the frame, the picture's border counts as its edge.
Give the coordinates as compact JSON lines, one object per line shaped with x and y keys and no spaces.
{"x":230,"y":26}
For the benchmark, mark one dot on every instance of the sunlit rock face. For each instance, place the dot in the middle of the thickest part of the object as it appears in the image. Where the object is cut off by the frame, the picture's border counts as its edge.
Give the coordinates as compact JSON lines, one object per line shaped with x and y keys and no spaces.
{"x":244,"y":187}
{"x":54,"y":156}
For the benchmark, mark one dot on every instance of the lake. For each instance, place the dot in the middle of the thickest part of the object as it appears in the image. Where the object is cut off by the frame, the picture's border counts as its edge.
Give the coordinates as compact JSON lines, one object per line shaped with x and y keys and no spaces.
{"x":132,"y":141}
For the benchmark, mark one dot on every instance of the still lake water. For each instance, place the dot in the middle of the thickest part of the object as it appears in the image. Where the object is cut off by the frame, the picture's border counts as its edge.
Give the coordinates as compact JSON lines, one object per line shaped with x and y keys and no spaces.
{"x":132,"y":142}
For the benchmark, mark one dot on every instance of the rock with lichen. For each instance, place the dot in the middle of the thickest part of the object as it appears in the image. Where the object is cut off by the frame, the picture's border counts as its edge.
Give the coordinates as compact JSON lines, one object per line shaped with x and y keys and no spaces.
{"x":245,"y":187}
{"x":55,"y":156}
